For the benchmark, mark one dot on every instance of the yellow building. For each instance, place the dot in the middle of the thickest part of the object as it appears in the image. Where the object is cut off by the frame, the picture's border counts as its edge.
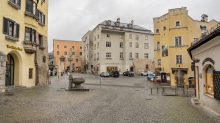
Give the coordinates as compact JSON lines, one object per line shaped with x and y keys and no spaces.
{"x":174,"y":33}
{"x":23,"y":49}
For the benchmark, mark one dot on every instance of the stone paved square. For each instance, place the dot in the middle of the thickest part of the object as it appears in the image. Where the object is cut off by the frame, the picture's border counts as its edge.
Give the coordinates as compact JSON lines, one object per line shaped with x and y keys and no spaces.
{"x":119,"y":100}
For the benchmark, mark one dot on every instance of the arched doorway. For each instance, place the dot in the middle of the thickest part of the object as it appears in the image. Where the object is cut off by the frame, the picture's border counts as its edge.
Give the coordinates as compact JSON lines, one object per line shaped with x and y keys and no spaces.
{"x":9,"y":79}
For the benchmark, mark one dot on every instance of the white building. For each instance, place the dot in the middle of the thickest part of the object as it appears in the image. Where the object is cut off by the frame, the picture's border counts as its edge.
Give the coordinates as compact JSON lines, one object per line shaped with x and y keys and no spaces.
{"x":118,"y":46}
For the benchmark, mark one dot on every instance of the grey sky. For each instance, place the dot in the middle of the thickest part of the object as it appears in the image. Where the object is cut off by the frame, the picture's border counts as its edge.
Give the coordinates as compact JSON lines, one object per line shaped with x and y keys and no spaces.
{"x":71,"y":19}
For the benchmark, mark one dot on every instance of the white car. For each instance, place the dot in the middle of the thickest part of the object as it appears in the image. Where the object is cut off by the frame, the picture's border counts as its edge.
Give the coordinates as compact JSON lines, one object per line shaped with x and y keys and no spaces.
{"x":104,"y":74}
{"x":145,"y":73}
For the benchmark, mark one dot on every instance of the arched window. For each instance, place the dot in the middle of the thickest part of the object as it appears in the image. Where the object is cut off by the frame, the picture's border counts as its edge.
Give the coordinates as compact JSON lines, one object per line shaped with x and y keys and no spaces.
{"x":209,"y":80}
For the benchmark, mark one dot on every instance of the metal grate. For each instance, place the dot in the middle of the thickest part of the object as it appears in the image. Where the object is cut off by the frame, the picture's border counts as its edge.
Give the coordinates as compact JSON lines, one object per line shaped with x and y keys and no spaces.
{"x":216,"y":84}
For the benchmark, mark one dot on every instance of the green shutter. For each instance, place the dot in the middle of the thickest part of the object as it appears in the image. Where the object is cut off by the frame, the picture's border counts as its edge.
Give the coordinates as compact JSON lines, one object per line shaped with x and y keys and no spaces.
{"x":17,"y":30}
{"x":19,"y":3}
{"x":28,"y":5}
{"x":5,"y":25}
{"x":44,"y":18}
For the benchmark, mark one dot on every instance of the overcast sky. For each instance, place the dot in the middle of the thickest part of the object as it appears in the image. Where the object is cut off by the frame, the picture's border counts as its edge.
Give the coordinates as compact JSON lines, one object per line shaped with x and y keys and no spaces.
{"x":71,"y":19}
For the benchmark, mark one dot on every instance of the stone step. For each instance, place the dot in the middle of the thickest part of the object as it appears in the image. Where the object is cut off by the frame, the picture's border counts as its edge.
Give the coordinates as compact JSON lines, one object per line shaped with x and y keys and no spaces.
{"x":195,"y":101}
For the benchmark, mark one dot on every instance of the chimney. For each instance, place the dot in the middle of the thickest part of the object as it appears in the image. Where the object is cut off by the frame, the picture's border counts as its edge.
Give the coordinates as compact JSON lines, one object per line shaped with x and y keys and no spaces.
{"x":132,"y":22}
{"x":204,"y":18}
{"x":118,"y":20}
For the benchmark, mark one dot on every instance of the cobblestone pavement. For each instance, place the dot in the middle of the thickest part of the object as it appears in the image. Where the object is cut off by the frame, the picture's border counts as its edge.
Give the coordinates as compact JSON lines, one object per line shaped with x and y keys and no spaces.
{"x":131,"y":102}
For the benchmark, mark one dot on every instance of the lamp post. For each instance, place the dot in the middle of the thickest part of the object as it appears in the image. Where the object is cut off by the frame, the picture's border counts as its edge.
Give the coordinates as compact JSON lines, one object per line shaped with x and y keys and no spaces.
{"x":70,"y":60}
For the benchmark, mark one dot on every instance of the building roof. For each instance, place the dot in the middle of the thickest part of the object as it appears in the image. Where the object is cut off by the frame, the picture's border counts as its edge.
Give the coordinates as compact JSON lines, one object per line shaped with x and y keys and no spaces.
{"x":65,"y":40}
{"x":212,"y":33}
{"x":124,"y":27}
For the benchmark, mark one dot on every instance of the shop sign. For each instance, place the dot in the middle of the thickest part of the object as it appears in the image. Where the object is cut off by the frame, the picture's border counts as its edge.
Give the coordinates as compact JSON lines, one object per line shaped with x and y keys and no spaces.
{"x":13,"y":47}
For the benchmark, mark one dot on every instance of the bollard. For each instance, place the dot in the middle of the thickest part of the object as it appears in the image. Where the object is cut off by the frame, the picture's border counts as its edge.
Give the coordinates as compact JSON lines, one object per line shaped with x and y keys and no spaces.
{"x":151,"y":91}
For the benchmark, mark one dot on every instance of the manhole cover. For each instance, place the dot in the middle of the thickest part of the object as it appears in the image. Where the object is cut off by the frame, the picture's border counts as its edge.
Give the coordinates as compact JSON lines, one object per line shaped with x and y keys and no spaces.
{"x":9,"y":94}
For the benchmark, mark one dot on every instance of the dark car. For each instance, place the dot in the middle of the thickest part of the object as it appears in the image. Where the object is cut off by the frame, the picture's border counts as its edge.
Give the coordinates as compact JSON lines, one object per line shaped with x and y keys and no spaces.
{"x":126,"y":73}
{"x":114,"y":73}
{"x":130,"y":73}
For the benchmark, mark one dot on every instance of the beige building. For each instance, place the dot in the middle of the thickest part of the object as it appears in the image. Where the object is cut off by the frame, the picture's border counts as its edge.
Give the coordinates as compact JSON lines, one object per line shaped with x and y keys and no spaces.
{"x":61,"y":51}
{"x":205,"y":54}
{"x":116,"y":45}
{"x":24,"y":45}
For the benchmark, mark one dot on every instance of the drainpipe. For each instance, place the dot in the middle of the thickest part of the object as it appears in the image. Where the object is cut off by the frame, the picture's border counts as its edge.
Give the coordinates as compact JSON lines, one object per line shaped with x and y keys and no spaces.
{"x":194,"y":65}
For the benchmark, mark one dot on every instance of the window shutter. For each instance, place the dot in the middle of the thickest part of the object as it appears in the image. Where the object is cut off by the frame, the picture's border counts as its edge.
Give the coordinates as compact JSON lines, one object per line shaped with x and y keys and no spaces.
{"x":44,"y":18}
{"x":38,"y":13}
{"x":17,"y":30}
{"x":28,"y":5}
{"x":19,"y":3}
{"x":5,"y":25}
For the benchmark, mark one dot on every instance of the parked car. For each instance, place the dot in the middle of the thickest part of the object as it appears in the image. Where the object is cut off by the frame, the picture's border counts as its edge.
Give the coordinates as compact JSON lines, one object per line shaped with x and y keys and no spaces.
{"x":145,"y":73}
{"x":126,"y":73}
{"x":104,"y":74}
{"x":114,"y":73}
{"x":72,"y":70}
{"x":131,"y":73}
{"x":150,"y":76}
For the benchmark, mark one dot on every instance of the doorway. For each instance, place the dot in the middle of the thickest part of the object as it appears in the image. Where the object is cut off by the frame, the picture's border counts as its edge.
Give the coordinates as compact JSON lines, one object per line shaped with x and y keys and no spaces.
{"x":131,"y":68}
{"x":9,"y":77}
{"x":163,"y":77}
{"x":111,"y":68}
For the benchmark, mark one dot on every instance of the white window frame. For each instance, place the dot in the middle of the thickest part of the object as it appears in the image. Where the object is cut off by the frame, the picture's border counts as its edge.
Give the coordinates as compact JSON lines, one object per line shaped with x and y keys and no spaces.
{"x":98,"y":45}
{"x":65,"y":52}
{"x":77,"y":60}
{"x":181,"y":41}
{"x":137,"y":45}
{"x":178,"y":55}
{"x":130,"y":44}
{"x":108,"y":55}
{"x":58,"y":46}
{"x":121,"y":44}
{"x":65,"y":46}
{"x":130,"y":36}
{"x":147,"y":46}
{"x":73,"y":47}
{"x":179,"y":22}
{"x":130,"y":55}
{"x":158,"y":62}
{"x":165,"y":28}
{"x":145,"y":37}
{"x":147,"y":55}
{"x":58,"y":52}
{"x":121,"y":55}
{"x":158,"y":30}
{"x":137,"y":37}
{"x":157,"y":45}
{"x":108,"y":35}
{"x":94,"y":46}
{"x":97,"y":55}
{"x":136,"y":55}
{"x":109,"y":43}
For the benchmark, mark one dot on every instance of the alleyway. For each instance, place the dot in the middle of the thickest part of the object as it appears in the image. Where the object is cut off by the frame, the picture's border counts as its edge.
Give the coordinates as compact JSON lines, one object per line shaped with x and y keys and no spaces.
{"x":131,"y":102}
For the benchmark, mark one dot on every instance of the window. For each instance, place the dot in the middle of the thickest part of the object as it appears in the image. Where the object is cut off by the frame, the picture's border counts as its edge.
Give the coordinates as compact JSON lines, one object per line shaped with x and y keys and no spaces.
{"x":68,"y":59}
{"x":98,"y":36}
{"x":121,"y":44}
{"x":58,"y":46}
{"x":121,"y":55}
{"x":136,"y":37}
{"x":108,"y":55}
{"x":62,"y":59}
{"x":97,"y":45}
{"x":77,"y":60}
{"x":30,"y":34}
{"x":158,"y":45}
{"x":179,"y":59}
{"x":65,"y":46}
{"x":130,"y":36}
{"x":73,"y":53}
{"x":137,"y":45}
{"x":94,"y":57}
{"x":157,"y":30}
{"x":15,"y":3}
{"x":31,"y":7}
{"x":73,"y":47}
{"x":146,"y":37}
{"x":95,"y":38}
{"x":130,"y":55}
{"x":209,"y":80}
{"x":30,"y":73}
{"x":65,"y":52}
{"x":80,"y":53}
{"x":136,"y":55}
{"x":97,"y":55}
{"x":146,"y":55}
{"x":80,"y":47}
{"x":145,"y":45}
{"x":130,"y":44}
{"x":94,"y":46}
{"x":10,"y":27}
{"x":147,"y":66}
{"x":40,"y":40}
{"x":108,"y":35}
{"x":58,"y":52}
{"x":178,"y":41}
{"x":164,"y":28}
{"x":177,"y":23}
{"x":41,"y":17}
{"x":108,"y":44}
{"x":158,"y":61}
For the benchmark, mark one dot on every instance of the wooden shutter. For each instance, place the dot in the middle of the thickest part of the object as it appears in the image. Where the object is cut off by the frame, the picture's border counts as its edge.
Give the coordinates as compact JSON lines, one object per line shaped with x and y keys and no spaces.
{"x":44,"y":18}
{"x":17,"y":30}
{"x":216,"y":84}
{"x":19,"y":3}
{"x":5,"y":25}
{"x":28,"y":5}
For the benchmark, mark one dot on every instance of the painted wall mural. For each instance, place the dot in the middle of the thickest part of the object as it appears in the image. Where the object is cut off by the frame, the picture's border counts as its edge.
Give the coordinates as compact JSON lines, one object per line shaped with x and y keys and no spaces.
{"x":165,"y":50}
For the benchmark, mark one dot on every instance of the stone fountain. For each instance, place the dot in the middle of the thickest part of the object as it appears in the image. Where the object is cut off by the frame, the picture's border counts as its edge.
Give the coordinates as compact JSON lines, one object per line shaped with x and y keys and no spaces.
{"x":76,"y":81}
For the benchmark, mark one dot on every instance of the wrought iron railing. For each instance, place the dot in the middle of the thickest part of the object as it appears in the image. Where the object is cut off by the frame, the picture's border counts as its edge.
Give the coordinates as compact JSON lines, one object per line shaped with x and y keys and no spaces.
{"x":217,"y":26}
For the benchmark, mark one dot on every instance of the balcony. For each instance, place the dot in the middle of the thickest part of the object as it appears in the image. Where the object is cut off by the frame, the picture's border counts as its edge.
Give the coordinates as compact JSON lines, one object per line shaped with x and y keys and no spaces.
{"x":11,"y":38}
{"x":31,"y":14}
{"x":30,"y":47}
{"x":16,"y":6}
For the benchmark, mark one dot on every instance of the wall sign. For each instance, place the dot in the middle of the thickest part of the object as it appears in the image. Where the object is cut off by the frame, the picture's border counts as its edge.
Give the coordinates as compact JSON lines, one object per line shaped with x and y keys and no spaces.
{"x":13,"y":47}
